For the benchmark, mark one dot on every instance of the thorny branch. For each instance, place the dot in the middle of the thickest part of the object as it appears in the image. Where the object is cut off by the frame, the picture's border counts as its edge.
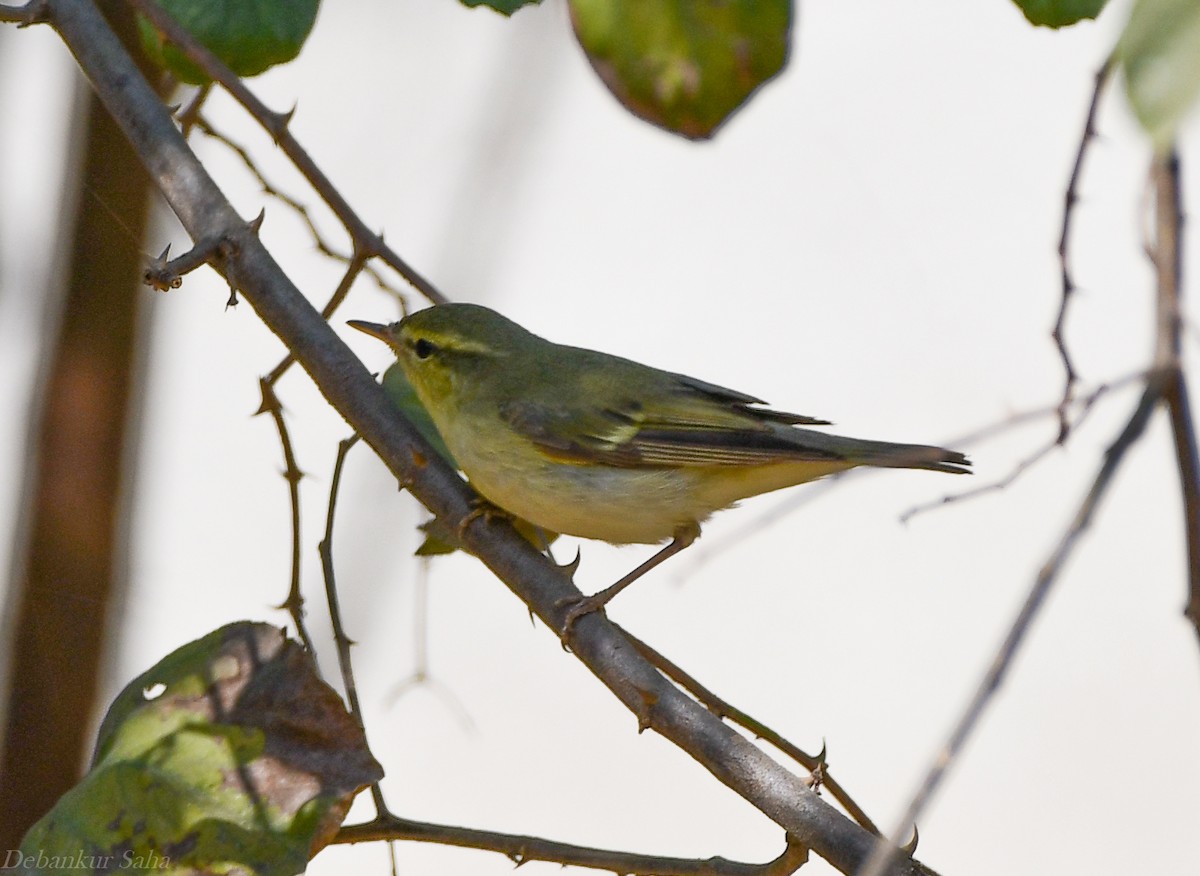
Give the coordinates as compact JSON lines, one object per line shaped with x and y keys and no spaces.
{"x":1068,"y":283}
{"x":294,"y":603}
{"x":341,"y":640}
{"x":366,"y":245}
{"x":163,"y":274}
{"x":722,"y":709}
{"x":353,"y":269}
{"x":1085,"y":403}
{"x":365,"y":241}
{"x":302,"y":210}
{"x":522,"y":849}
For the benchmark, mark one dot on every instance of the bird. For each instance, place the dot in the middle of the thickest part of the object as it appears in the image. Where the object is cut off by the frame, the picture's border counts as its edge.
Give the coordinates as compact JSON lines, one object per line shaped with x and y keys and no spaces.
{"x":602,"y":447}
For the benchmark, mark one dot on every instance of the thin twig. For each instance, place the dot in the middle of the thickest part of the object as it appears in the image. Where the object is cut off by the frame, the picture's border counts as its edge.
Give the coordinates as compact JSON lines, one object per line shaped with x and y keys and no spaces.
{"x":339,"y":295}
{"x":276,"y":124}
{"x":884,"y":850}
{"x":1168,"y":261}
{"x":162,"y":274}
{"x":723,"y":709}
{"x":1183,"y":431}
{"x":33,"y":12}
{"x":1068,"y":283}
{"x":1085,"y":403}
{"x":522,"y":849}
{"x":302,"y":210}
{"x":294,"y":603}
{"x":341,"y":640}
{"x":189,"y":116}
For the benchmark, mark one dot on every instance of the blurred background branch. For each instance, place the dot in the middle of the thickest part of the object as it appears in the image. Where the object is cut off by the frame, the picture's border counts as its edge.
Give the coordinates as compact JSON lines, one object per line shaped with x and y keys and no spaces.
{"x":69,"y":557}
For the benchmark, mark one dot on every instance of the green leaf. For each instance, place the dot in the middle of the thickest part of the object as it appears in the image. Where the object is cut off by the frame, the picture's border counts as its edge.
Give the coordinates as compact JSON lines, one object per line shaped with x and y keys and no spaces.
{"x":504,"y":7}
{"x":1160,"y":55}
{"x":250,"y":36}
{"x":231,"y":753}
{"x":1059,"y":13}
{"x":685,"y":65}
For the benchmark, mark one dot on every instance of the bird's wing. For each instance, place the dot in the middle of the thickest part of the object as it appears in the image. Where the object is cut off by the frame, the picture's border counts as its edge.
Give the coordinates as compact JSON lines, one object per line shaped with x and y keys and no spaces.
{"x":694,"y":424}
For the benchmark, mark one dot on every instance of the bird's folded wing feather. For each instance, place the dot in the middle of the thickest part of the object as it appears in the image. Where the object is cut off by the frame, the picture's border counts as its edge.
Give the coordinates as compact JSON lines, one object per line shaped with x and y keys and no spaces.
{"x":696,"y":424}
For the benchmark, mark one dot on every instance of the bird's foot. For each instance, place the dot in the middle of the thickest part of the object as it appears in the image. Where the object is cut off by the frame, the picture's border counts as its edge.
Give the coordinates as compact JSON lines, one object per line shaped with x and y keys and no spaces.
{"x":579,"y":606}
{"x":481,"y":507}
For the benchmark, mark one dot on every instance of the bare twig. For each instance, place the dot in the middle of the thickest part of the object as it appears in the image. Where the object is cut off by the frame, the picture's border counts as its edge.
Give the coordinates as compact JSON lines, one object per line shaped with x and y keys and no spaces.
{"x":421,"y":675}
{"x":335,"y":300}
{"x":1183,"y":431}
{"x":33,"y":12}
{"x":1168,"y":262}
{"x":522,"y":849}
{"x":1068,"y":282}
{"x":294,"y":603}
{"x":189,"y":116}
{"x":341,"y":640}
{"x":366,"y":241}
{"x":302,"y":210}
{"x":1084,"y":403}
{"x":723,"y":709}
{"x":162,"y":274}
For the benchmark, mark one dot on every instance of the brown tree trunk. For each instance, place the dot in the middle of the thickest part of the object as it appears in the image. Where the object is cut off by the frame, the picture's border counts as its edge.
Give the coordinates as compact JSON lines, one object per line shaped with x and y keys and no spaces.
{"x":71,"y":551}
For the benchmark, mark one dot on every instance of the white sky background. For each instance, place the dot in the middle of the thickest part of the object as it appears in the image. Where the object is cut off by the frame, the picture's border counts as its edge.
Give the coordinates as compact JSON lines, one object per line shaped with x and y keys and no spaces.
{"x":872,"y":241}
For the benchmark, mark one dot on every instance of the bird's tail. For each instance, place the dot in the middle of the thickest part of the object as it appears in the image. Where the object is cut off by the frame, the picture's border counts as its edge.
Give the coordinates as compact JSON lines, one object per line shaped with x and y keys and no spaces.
{"x":923,"y":456}
{"x":884,"y":454}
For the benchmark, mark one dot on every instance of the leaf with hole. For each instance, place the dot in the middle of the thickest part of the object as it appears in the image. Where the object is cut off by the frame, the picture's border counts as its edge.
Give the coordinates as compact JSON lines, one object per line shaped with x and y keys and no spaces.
{"x":230,"y":755}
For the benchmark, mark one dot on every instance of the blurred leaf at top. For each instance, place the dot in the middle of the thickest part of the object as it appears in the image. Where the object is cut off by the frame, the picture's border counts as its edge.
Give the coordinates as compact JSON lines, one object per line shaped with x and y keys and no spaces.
{"x":685,"y":65}
{"x":230,"y":755}
{"x":504,"y":7}
{"x":1059,"y":13}
{"x":250,"y":36}
{"x":1160,"y":55}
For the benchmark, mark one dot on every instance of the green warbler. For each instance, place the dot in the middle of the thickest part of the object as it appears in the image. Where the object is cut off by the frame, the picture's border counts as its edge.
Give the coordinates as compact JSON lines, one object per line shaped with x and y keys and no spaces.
{"x":593,"y":445}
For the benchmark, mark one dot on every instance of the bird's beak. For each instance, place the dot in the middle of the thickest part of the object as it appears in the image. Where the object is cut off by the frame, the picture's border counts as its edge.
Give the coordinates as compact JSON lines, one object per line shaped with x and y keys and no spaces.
{"x":374,"y":329}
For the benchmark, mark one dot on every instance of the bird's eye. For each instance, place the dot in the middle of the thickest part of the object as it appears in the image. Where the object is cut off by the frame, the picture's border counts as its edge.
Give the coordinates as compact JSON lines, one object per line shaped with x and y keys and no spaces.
{"x":424,"y":348}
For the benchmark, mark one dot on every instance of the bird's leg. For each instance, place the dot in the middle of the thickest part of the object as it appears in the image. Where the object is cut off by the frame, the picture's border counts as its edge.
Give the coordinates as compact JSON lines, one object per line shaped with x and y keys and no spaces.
{"x":684,"y":536}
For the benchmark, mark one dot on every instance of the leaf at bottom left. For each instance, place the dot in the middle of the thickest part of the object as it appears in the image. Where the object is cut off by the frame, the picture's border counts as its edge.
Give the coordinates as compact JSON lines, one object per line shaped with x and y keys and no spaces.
{"x":231,"y":755}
